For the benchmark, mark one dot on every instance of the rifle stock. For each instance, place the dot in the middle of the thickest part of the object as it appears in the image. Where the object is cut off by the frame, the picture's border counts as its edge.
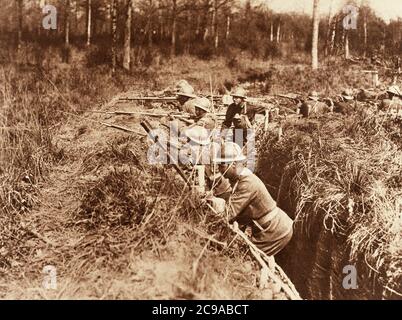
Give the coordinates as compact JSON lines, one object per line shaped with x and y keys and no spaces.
{"x":147,"y":127}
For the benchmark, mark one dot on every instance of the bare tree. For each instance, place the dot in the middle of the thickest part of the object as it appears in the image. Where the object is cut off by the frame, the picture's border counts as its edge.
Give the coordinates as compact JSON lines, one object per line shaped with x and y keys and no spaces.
{"x":314,"y":49}
{"x":347,"y":51}
{"x":114,"y":33}
{"x":66,"y":49}
{"x":127,"y":37}
{"x":20,"y":6}
{"x":174,"y":28}
{"x":89,"y":21}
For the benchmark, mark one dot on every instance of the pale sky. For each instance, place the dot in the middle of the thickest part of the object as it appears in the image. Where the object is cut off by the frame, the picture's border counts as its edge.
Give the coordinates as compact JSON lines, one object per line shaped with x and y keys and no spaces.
{"x":387,"y":9}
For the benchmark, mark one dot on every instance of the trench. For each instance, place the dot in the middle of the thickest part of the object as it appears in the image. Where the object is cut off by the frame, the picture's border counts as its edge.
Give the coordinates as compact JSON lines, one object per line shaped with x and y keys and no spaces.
{"x":316,"y":258}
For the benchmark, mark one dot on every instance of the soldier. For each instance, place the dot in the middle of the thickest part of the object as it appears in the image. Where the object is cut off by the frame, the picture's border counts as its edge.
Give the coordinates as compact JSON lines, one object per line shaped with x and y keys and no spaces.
{"x":313,"y":107}
{"x":170,"y":91}
{"x":393,"y":103}
{"x":240,"y":114}
{"x":199,"y":150}
{"x":251,"y":204}
{"x":345,"y":102}
{"x":203,"y":116}
{"x":186,"y":98}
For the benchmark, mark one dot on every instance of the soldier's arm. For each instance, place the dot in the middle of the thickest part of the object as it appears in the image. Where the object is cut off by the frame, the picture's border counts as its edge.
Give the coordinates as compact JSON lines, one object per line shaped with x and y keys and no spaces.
{"x":238,"y":202}
{"x":230,"y":113}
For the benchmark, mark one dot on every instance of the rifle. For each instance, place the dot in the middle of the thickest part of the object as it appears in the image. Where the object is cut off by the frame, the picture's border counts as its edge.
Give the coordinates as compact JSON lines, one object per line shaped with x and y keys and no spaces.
{"x":165,"y":99}
{"x":147,"y":127}
{"x":149,"y":114}
{"x":294,"y":97}
{"x":151,"y":99}
{"x":120,"y":128}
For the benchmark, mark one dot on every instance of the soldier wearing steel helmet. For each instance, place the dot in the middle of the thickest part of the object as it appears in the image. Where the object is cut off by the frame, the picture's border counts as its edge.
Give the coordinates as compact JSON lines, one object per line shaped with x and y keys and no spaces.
{"x":240,"y":114}
{"x":393,"y":103}
{"x":313,"y":106}
{"x":186,"y":98}
{"x":251,"y":204}
{"x":200,"y":150}
{"x":345,"y":102}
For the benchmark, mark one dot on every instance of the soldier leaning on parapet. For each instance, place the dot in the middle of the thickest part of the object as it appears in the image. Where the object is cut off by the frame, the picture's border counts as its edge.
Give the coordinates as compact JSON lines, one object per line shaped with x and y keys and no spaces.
{"x":344,"y":103}
{"x":251,"y":204}
{"x":199,"y":150}
{"x":201,"y":117}
{"x":241,"y":114}
{"x":186,"y":98}
{"x":313,"y":107}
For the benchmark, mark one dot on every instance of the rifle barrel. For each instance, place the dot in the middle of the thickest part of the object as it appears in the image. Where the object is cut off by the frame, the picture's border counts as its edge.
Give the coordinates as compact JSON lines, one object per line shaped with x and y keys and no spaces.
{"x":156,"y":99}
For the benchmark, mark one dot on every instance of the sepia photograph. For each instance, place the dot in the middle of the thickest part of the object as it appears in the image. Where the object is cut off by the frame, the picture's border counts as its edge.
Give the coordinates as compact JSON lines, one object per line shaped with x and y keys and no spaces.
{"x":201,"y":150}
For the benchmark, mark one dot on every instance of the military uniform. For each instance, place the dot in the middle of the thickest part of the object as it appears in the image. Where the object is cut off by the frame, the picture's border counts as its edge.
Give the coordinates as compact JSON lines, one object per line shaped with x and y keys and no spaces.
{"x":311,"y":108}
{"x":251,"y":204}
{"x":188,"y":107}
{"x":392,"y":106}
{"x":241,"y":117}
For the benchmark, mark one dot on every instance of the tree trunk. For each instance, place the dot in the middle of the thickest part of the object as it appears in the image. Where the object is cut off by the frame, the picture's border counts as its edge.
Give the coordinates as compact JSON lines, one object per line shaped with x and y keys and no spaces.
{"x":67,"y":25}
{"x":174,"y":27}
{"x":215,"y":24}
{"x":149,"y":25}
{"x":66,"y":49}
{"x":227,"y":27}
{"x":20,"y":6}
{"x":314,"y":48}
{"x":327,"y":38}
{"x":347,"y":53}
{"x":198,"y":24}
{"x":365,"y":35}
{"x":333,"y":34}
{"x":114,"y":34}
{"x":272,"y":32}
{"x":89,"y":21}
{"x":127,"y":38}
{"x":278,"y":32}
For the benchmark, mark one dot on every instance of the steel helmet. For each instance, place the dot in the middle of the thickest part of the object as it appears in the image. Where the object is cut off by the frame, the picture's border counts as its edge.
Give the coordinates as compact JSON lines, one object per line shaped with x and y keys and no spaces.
{"x":239,"y":92}
{"x":347,"y":94}
{"x":198,"y":134}
{"x":229,"y":152}
{"x":203,"y":103}
{"x":186,"y":91}
{"x":394,"y":90}
{"x":180,"y":85}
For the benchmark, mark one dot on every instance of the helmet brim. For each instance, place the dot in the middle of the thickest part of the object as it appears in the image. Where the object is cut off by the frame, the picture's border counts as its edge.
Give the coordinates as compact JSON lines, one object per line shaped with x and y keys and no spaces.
{"x":202,"y":108}
{"x":237,"y":96}
{"x":187,"y":95}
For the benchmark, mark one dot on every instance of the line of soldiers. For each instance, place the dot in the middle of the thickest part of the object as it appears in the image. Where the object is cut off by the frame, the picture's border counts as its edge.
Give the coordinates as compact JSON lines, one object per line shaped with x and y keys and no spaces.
{"x":389,"y":102}
{"x":224,"y":165}
{"x":219,"y":155}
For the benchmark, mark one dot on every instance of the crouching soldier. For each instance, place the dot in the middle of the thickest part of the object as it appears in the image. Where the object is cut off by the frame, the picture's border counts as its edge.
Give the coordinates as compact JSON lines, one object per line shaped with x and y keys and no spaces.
{"x":313,"y":107}
{"x":198,"y":152}
{"x":251,"y":204}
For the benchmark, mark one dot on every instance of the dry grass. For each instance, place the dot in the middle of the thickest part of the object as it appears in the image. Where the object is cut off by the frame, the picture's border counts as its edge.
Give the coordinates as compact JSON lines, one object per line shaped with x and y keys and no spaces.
{"x":342,"y":175}
{"x":91,"y":206}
